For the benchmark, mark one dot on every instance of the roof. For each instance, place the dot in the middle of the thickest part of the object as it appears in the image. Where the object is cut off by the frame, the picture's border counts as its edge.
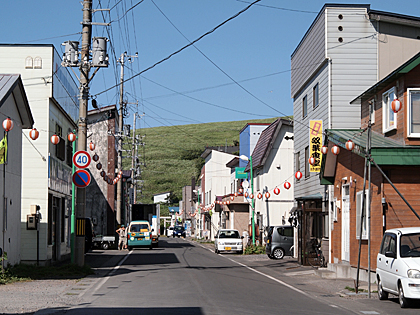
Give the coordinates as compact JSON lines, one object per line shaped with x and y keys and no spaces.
{"x":384,"y":150}
{"x":233,"y":163}
{"x":225,"y":149}
{"x":12,"y":84}
{"x":393,"y":76}
{"x":406,"y":230}
{"x":253,"y":124}
{"x":265,"y":143}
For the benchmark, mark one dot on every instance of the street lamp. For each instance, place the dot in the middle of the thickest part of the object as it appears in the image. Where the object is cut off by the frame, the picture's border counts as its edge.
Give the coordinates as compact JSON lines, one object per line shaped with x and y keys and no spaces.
{"x":245,"y":158}
{"x":199,"y":214}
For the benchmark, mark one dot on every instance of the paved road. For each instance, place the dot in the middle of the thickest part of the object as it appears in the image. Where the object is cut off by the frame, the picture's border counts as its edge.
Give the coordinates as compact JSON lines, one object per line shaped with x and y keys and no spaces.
{"x":182,"y":277}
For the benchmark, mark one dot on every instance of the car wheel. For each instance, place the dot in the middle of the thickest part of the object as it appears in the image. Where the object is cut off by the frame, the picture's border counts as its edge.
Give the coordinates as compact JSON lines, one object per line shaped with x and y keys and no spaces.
{"x":278,"y":253}
{"x":105,"y":246}
{"x":401,"y":298}
{"x":382,"y":295}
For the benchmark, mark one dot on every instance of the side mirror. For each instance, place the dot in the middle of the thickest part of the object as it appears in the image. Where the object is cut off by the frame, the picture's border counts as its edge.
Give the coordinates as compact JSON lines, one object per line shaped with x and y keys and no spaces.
{"x":390,"y":254}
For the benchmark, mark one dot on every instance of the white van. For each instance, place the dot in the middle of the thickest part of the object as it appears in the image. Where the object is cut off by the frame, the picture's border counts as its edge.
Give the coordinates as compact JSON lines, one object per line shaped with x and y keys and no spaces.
{"x":227,"y":240}
{"x":398,"y":265}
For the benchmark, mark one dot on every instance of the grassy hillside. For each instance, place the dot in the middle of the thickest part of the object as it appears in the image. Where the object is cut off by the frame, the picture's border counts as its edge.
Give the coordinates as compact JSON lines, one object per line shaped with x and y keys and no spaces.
{"x":172,"y":154}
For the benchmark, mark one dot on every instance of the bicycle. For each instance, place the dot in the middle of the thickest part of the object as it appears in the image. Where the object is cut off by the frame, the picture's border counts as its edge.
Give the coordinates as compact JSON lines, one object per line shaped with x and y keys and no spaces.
{"x":315,"y":256}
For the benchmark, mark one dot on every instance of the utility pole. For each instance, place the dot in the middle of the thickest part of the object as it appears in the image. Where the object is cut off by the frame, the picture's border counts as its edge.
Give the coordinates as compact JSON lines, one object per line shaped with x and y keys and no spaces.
{"x":133,"y":160}
{"x":121,"y":127}
{"x":82,"y":123}
{"x":71,"y":59}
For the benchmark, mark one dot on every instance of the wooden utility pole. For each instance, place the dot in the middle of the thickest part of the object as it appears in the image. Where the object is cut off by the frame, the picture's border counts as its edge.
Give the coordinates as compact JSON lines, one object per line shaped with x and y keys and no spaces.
{"x":120,"y":135}
{"x":82,"y":123}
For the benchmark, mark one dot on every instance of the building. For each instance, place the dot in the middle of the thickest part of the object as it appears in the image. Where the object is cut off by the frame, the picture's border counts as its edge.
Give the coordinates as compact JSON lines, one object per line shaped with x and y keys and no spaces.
{"x":14,"y":105}
{"x":395,"y":149}
{"x":248,"y":138}
{"x":46,"y":168}
{"x":161,"y":197}
{"x":272,"y":164}
{"x":101,"y":196}
{"x":347,"y":49}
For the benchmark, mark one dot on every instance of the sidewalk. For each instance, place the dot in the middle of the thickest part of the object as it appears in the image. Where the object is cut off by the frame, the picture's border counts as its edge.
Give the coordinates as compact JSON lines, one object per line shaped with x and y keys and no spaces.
{"x":41,"y":296}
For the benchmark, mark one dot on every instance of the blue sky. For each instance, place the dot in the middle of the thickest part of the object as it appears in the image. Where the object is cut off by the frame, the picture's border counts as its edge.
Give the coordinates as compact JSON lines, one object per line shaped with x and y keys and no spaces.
{"x":193,"y":86}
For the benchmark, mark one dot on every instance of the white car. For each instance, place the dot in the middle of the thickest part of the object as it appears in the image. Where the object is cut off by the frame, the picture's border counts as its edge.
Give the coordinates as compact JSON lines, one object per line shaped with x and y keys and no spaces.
{"x":398,"y":265}
{"x":170,"y":231}
{"x":228,"y":240}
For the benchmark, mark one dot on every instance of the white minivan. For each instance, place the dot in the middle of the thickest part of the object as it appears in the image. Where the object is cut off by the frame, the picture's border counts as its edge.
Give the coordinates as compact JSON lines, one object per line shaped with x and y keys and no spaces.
{"x":398,"y":265}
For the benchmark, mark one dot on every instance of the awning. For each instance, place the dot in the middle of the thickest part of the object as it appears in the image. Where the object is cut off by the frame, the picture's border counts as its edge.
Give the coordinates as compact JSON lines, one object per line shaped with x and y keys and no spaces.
{"x":309,"y":197}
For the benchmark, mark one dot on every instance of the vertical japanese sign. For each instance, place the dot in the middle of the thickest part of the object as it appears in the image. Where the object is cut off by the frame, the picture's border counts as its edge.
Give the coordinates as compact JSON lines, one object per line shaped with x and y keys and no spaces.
{"x":315,"y":144}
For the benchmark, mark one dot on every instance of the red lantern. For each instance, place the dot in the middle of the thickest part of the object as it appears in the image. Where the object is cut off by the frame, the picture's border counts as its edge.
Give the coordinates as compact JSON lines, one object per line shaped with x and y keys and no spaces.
{"x":287,"y":185}
{"x":55,"y":139}
{"x":91,"y":146}
{"x":228,"y":202}
{"x":224,"y":202}
{"x":232,"y":198}
{"x":276,"y":191}
{"x":34,"y":134}
{"x":350,"y":145}
{"x":311,"y":160}
{"x":8,"y":124}
{"x":298,"y":175}
{"x":246,"y":194}
{"x":267,"y":195}
{"x":236,"y":194}
{"x":241,"y":190}
{"x":251,"y":196}
{"x":259,"y":195}
{"x":71,"y":137}
{"x":102,"y":173}
{"x":324,"y":149}
{"x":95,"y":157}
{"x":396,"y":105}
{"x":335,"y":150}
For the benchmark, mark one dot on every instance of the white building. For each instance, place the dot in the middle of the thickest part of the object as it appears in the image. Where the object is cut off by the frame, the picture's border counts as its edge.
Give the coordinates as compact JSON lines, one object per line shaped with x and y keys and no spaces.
{"x":13,"y":104}
{"x":46,"y":168}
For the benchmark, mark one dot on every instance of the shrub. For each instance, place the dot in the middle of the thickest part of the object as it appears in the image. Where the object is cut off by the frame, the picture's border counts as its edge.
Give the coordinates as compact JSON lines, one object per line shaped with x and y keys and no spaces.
{"x":254,"y":250}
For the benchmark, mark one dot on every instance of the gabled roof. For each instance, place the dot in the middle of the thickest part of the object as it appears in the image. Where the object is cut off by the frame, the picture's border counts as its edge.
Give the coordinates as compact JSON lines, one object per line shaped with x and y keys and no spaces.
{"x":265,"y":143}
{"x":233,"y":163}
{"x":12,"y":84}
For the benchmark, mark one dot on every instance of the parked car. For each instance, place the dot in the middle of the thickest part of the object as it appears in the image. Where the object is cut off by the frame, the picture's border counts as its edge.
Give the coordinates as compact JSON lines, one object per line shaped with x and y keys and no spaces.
{"x":279,"y":241}
{"x":139,"y":234}
{"x":179,"y":231}
{"x":170,"y":231}
{"x":228,"y":240}
{"x":398,"y":265}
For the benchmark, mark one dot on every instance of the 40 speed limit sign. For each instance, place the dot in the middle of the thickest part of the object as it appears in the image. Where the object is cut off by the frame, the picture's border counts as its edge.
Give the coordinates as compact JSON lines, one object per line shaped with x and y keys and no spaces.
{"x":81,"y":159}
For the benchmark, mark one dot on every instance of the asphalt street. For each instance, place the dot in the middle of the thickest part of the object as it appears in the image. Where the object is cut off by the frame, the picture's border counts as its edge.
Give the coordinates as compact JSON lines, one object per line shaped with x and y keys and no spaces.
{"x":184,"y":277}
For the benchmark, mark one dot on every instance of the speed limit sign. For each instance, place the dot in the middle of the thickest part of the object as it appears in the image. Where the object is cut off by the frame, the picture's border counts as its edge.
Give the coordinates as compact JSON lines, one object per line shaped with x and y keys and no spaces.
{"x":81,"y":159}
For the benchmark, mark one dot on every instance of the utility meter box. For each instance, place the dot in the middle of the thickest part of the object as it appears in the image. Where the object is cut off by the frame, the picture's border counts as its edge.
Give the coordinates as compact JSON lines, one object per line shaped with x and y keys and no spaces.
{"x":31,"y":222}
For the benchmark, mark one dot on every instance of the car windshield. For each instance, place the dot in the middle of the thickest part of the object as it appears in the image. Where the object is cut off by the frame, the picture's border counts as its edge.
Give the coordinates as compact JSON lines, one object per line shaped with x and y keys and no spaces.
{"x":410,"y":245}
{"x":229,"y":234}
{"x":178,"y":228}
{"x":142,"y":227}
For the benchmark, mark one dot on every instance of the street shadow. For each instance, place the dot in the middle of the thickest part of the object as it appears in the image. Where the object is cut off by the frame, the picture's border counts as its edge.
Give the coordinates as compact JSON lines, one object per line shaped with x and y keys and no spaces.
{"x":166,"y":244}
{"x":127,"y":311}
{"x":413,"y":304}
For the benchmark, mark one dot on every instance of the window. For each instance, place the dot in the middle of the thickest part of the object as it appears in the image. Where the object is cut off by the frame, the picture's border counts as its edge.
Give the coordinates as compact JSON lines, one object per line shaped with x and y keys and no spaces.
{"x":29,"y":62}
{"x":37,"y":63}
{"x":60,"y":148}
{"x":372,"y":111}
{"x":334,"y":209}
{"x":413,"y":117}
{"x":297,"y":161}
{"x":359,"y":203}
{"x":305,"y":106}
{"x":389,"y":117}
{"x":306,"y":162}
{"x":315,"y":96}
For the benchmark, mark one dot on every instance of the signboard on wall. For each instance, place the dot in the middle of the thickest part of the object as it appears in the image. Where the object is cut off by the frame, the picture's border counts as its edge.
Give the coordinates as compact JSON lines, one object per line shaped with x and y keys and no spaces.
{"x":240,"y":172}
{"x":315,"y":144}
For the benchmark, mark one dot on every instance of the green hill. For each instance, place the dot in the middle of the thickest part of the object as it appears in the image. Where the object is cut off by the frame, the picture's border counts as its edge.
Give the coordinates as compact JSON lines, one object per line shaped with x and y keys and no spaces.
{"x":172,"y":154}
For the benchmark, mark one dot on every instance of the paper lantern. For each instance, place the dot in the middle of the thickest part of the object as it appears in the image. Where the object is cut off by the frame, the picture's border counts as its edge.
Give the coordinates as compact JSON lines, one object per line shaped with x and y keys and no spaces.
{"x":350,"y":145}
{"x":241,"y":190}
{"x":34,"y":134}
{"x":311,"y":160}
{"x":396,"y":105}
{"x":259,"y":195}
{"x":324,"y":149}
{"x":287,"y":185}
{"x":106,"y":178}
{"x":95,"y":158}
{"x":102,"y":173}
{"x":71,"y":137}
{"x":251,"y":196}
{"x":298,"y":175}
{"x":99,"y":166}
{"x":276,"y":191}
{"x":91,"y":146}
{"x":232,"y":198}
{"x":109,"y":181}
{"x":8,"y":124}
{"x":335,"y":150}
{"x":236,"y":194}
{"x":55,"y":139}
{"x":228,"y":202}
{"x":246,"y":194}
{"x":224,"y":202}
{"x":267,"y":195}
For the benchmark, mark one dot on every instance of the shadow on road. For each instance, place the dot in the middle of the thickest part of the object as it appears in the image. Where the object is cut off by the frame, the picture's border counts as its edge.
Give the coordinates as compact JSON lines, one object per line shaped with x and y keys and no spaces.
{"x":129,"y":311}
